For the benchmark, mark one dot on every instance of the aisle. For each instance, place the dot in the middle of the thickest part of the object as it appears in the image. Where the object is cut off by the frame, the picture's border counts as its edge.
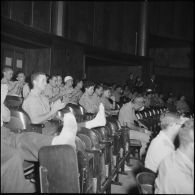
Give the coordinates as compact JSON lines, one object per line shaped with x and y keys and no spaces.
{"x":128,"y":182}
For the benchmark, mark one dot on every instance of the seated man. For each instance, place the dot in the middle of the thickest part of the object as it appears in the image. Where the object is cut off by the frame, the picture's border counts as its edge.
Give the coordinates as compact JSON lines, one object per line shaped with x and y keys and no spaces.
{"x":7,"y":76}
{"x":163,"y":143}
{"x":182,"y":106}
{"x":67,"y":89}
{"x":117,"y":93}
{"x":109,"y":107}
{"x":176,"y":171}
{"x":60,"y":85}
{"x":77,"y":92}
{"x":127,"y":118}
{"x":96,"y":97}
{"x":51,"y":90}
{"x":15,"y":148}
{"x":86,"y":100}
{"x":37,"y":106}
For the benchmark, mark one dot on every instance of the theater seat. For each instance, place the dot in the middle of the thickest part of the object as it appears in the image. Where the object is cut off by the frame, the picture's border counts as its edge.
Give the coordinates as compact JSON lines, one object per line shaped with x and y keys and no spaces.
{"x":59,"y":169}
{"x":13,"y":102}
{"x":20,"y":122}
{"x":145,"y":182}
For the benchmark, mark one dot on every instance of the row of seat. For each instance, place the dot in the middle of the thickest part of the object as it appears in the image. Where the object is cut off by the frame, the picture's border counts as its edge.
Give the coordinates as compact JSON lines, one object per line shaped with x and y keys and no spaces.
{"x":100,"y":152}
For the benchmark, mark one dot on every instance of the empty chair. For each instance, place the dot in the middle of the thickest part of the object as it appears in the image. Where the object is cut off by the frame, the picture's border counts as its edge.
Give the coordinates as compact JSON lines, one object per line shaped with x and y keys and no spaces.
{"x":145,"y":182}
{"x":13,"y":102}
{"x":59,"y":169}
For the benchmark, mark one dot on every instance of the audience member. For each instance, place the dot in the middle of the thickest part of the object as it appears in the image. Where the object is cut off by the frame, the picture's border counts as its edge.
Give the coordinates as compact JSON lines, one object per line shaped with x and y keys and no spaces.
{"x":152,"y":84}
{"x":68,"y":89}
{"x":97,"y":95}
{"x":77,"y":91}
{"x":182,"y":106}
{"x":7,"y":76}
{"x":86,"y":99}
{"x":139,"y":85}
{"x":128,"y":118}
{"x":106,"y":100}
{"x":130,"y":82}
{"x":117,"y":93}
{"x":15,"y":148}
{"x":164,"y":141}
{"x":51,"y":90}
{"x":60,"y":85}
{"x":37,"y":106}
{"x":176,"y":171}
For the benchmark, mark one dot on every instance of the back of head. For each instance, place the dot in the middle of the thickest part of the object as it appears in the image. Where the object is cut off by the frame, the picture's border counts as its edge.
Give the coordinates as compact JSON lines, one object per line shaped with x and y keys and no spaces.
{"x":186,"y":133}
{"x":34,"y":76}
{"x":168,"y":118}
{"x":6,"y":69}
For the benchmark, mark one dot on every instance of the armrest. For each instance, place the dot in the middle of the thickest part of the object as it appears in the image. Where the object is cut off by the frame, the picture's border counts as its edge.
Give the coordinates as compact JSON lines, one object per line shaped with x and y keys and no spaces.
{"x":93,"y":151}
{"x":41,"y":125}
{"x":36,"y":130}
{"x":108,"y":142}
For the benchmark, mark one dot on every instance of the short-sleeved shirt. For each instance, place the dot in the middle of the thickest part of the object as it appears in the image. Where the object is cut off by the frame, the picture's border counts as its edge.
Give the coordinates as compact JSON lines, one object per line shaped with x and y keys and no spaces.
{"x":107,"y":104}
{"x":127,"y":115}
{"x":76,"y":96}
{"x":26,"y":90}
{"x":50,"y":91}
{"x":96,"y":99}
{"x":12,"y":86}
{"x":35,"y":105}
{"x":158,"y":149}
{"x":67,"y":91}
{"x":176,"y":175}
{"x":117,"y":96}
{"x":88,"y":104}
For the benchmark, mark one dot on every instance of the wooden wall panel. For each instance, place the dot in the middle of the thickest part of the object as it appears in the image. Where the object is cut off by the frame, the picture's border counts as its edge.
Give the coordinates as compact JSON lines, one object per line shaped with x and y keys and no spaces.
{"x":38,"y":60}
{"x":111,"y":74}
{"x":21,"y":11}
{"x":172,"y":19}
{"x":42,"y":15}
{"x":59,"y":63}
{"x":80,"y":22}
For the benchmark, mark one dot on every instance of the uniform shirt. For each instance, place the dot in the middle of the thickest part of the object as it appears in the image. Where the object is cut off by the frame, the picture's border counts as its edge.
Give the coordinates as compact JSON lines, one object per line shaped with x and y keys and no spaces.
{"x":107,"y":105}
{"x":96,"y":99}
{"x":76,"y":96}
{"x":67,"y":94}
{"x":117,"y":96}
{"x":35,"y":105}
{"x":88,"y":104}
{"x":26,"y":90}
{"x":127,"y":115}
{"x":176,"y":175}
{"x":50,"y":91}
{"x":159,"y":148}
{"x":12,"y":86}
